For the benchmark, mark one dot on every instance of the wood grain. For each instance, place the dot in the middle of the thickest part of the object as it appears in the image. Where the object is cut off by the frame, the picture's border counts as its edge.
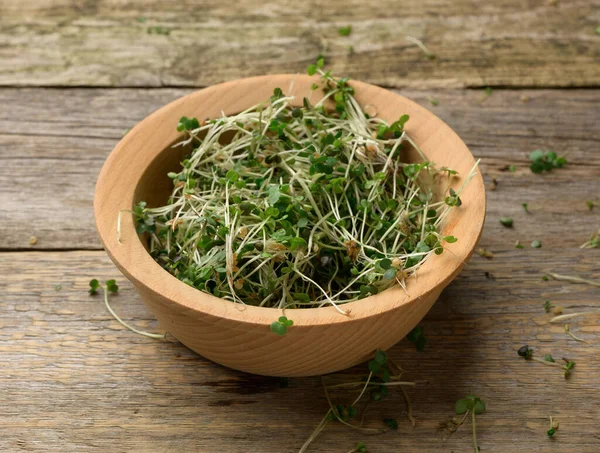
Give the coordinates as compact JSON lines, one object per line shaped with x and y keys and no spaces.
{"x":74,"y":380}
{"x":111,"y":43}
{"x":52,"y":146}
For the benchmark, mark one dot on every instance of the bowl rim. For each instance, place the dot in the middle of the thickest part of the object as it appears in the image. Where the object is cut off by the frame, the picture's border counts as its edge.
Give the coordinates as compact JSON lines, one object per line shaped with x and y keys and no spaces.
{"x":130,"y":158}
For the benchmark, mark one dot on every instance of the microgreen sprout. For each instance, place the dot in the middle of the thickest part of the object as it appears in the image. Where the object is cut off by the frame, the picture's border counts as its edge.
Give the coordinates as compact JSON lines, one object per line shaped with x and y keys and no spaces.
{"x":360,"y":448}
{"x":525,"y":207}
{"x":573,"y":336}
{"x":590,"y":204}
{"x":573,"y":279}
{"x":518,"y":245}
{"x":289,"y":205}
{"x":536,"y":244}
{"x":593,"y":242}
{"x":506,"y":221}
{"x":548,"y":306}
{"x":433,"y":101}
{"x":112,"y":287}
{"x":525,"y":351}
{"x":94,"y":285}
{"x":487,"y":92}
{"x":280,"y":326}
{"x":568,"y":367}
{"x":156,"y":30}
{"x":58,"y":287}
{"x":553,"y":427}
{"x":345,"y":31}
{"x":545,"y":161}
{"x":474,"y":406}
{"x":428,"y":53}
{"x":417,"y":336}
{"x":512,"y":168}
{"x":383,"y":375}
{"x":485,"y":253}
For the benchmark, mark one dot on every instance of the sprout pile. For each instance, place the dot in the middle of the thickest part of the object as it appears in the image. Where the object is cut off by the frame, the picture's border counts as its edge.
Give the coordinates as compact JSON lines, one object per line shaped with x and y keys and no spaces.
{"x":290,"y":207}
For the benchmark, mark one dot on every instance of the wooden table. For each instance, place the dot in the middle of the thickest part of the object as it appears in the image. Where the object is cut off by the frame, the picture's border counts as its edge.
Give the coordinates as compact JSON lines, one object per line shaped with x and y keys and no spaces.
{"x":76,"y":75}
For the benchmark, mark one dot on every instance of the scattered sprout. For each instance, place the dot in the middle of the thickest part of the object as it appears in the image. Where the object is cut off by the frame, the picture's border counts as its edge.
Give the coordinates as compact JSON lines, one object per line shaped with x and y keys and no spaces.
{"x":593,"y":242}
{"x":485,"y":253}
{"x":568,"y":367}
{"x":572,"y":335}
{"x":512,"y":168}
{"x":518,"y":245}
{"x":525,"y":351}
{"x":58,"y":287}
{"x":545,"y":161}
{"x":417,"y":336}
{"x":345,"y":31}
{"x":549,"y":358}
{"x":158,"y":30}
{"x":536,"y":244}
{"x":280,"y":326}
{"x":553,"y":427}
{"x":548,"y":306}
{"x":433,"y":101}
{"x":474,"y":406}
{"x":525,"y":207}
{"x":94,"y":285}
{"x":506,"y":221}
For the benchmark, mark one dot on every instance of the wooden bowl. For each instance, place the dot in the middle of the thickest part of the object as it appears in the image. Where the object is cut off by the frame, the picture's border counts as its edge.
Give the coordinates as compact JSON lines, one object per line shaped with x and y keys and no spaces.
{"x":321,"y":339}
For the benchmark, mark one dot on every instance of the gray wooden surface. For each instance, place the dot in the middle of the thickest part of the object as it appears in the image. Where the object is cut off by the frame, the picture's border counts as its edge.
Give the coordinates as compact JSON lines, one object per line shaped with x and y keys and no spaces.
{"x":76,"y":75}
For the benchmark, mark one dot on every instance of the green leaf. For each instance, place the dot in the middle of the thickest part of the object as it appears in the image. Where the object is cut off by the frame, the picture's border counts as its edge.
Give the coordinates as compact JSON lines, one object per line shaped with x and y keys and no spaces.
{"x":94,"y":284}
{"x":112,"y":286}
{"x":278,"y":328}
{"x":302,"y":222}
{"x":380,"y":357}
{"x":391,"y":422}
{"x":389,"y":274}
{"x":302,"y":297}
{"x":463,"y":405}
{"x":506,"y":221}
{"x":385,"y":263}
{"x":297,"y":243}
{"x":536,"y":244}
{"x":345,"y":31}
{"x":450,"y":239}
{"x":374,"y":366}
{"x":536,"y":155}
{"x":479,"y":406}
{"x":274,"y":194}
{"x":232,"y":176}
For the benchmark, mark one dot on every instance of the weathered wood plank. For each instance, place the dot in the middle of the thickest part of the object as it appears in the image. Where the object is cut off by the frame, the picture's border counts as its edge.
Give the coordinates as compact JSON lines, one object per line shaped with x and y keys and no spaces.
{"x":74,"y":380}
{"x":508,"y":42}
{"x":52,"y":146}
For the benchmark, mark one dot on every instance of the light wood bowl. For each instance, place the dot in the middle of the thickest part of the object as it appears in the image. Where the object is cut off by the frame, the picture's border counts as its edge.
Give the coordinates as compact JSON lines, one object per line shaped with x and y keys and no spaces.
{"x":321,"y":339}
